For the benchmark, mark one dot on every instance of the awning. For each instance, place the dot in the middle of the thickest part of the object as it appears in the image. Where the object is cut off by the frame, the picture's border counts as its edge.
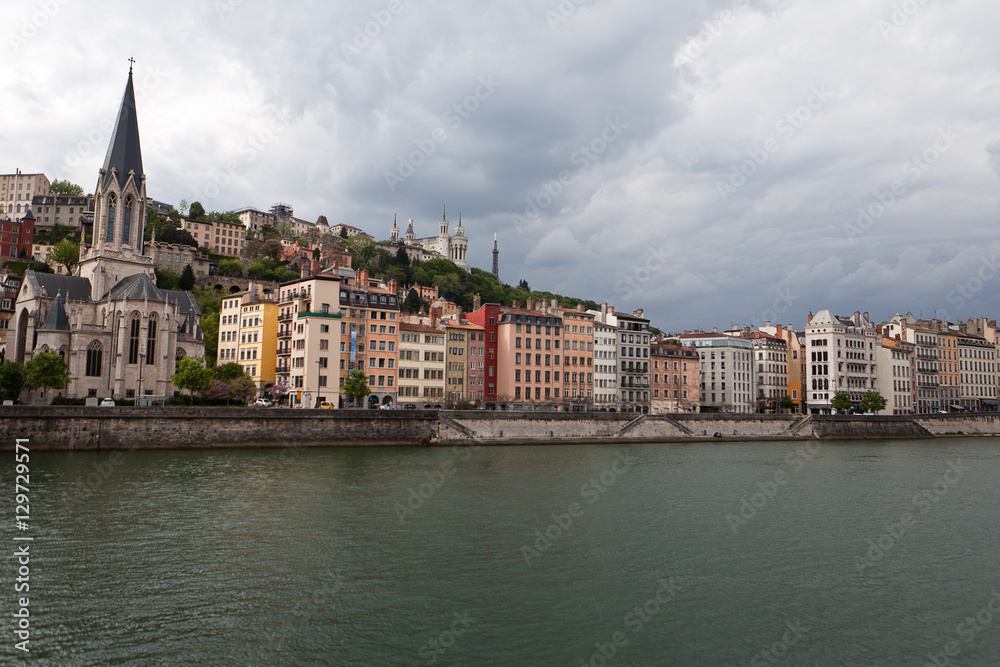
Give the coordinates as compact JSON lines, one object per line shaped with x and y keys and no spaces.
{"x":957,"y":407}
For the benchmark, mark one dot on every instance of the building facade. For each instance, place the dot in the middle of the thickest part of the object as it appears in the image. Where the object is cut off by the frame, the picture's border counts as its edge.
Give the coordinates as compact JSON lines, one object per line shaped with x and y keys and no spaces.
{"x":530,"y":349}
{"x":17,"y":237}
{"x":421,"y":382}
{"x":59,"y":210}
{"x":605,"y":366}
{"x":487,"y":316}
{"x":309,"y":319}
{"x":17,"y":191}
{"x":174,"y":257}
{"x":841,"y":359}
{"x":675,"y":378}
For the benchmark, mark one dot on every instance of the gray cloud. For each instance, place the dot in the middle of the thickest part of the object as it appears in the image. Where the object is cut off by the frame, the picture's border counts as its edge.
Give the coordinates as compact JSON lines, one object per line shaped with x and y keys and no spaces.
{"x":701,"y":93}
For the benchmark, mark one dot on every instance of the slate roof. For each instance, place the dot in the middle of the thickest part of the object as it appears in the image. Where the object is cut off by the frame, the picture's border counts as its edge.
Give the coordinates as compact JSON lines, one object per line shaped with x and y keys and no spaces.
{"x":56,"y":320}
{"x":124,"y":154}
{"x":71,"y":287}
{"x":137,"y":287}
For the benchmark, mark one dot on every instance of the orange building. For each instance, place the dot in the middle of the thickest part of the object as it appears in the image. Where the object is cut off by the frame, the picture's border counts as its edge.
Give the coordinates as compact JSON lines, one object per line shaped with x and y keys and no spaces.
{"x":530,"y":369}
{"x":578,"y":359}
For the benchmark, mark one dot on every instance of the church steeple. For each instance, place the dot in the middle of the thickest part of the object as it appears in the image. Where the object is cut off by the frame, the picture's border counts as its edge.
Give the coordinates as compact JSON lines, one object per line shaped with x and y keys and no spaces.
{"x":124,"y":155}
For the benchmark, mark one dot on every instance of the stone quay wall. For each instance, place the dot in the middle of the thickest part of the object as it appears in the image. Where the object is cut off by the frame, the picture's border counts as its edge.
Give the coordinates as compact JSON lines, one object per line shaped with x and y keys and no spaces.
{"x":65,"y":428}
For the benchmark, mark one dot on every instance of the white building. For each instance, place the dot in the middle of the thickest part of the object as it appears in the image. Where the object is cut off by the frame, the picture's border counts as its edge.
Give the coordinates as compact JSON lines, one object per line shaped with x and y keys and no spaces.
{"x":455,"y":248}
{"x":725,"y":367}
{"x":605,"y":365}
{"x":894,"y":358}
{"x":841,"y":358}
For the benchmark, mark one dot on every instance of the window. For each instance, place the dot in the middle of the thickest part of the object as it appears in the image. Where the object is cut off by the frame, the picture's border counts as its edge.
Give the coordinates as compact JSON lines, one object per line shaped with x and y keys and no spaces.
{"x":94,"y":358}
{"x":133,"y":339}
{"x":112,"y":210}
{"x":151,"y":341}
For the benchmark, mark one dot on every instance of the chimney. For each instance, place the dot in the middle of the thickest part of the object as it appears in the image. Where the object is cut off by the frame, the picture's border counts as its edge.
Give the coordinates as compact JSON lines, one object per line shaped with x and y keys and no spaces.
{"x":637,"y":312}
{"x":477,"y":302}
{"x":857,"y":318}
{"x":611,"y":310}
{"x":810,"y":317}
{"x":866,"y":316}
{"x":304,"y":271}
{"x":530,"y":304}
{"x":768,"y":323}
{"x":580,"y":308}
{"x":715,"y":329}
{"x":393,"y":286}
{"x":778,"y":334}
{"x":604,"y":309}
{"x":435,"y":315}
{"x":555,"y":305}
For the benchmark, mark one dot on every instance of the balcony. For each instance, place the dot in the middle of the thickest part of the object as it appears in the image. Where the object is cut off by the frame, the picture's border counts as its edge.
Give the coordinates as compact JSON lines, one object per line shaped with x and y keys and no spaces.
{"x":927,"y":355}
{"x":281,"y":370}
{"x":287,"y":317}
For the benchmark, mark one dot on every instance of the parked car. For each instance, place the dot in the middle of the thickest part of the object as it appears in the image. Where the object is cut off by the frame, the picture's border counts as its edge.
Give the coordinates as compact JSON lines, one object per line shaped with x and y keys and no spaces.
{"x":108,"y":403}
{"x":264,"y":403}
{"x":326,"y":405}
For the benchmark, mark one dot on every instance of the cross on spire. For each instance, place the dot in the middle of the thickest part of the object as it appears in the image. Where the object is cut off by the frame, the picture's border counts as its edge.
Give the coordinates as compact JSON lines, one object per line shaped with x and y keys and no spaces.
{"x":131,"y":61}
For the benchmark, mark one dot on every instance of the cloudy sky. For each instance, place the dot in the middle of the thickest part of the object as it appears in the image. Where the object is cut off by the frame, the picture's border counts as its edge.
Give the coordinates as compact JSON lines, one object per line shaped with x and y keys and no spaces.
{"x":710,"y":162}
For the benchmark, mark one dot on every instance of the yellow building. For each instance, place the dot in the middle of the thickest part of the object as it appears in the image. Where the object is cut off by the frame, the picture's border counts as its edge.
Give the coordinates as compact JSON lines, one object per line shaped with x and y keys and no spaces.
{"x":248,"y":334}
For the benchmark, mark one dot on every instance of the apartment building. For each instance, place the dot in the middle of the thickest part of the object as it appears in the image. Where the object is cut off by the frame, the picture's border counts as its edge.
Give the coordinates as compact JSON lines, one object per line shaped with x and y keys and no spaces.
{"x":578,"y":359}
{"x":977,"y":373}
{"x":174,"y":257}
{"x":530,"y":348}
{"x":475,"y":385}
{"x":255,"y":220}
{"x":486,"y":316}
{"x":368,"y":333}
{"x":795,"y":344}
{"x":675,"y":378}
{"x":927,"y":385}
{"x":309,"y":336}
{"x":70,"y":211}
{"x":17,"y":191}
{"x":605,"y":366}
{"x":421,"y":381}
{"x":248,"y":330}
{"x":724,"y":364}
{"x":456,"y":361}
{"x":10,"y":285}
{"x":770,"y":371}
{"x":896,"y":364}
{"x":841,"y":359}
{"x":633,"y":362}
{"x":220,"y":236}
{"x":17,"y":237}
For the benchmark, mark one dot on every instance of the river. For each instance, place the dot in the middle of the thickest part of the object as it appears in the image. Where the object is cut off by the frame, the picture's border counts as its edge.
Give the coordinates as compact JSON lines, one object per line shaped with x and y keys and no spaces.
{"x":763,"y":553}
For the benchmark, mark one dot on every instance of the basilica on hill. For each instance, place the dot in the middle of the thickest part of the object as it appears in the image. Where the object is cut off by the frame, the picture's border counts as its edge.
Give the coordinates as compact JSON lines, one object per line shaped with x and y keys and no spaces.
{"x":120,"y":334}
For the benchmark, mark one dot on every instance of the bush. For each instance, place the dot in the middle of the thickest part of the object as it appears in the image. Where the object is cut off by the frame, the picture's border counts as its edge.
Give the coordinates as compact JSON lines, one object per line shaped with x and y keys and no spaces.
{"x":66,"y":400}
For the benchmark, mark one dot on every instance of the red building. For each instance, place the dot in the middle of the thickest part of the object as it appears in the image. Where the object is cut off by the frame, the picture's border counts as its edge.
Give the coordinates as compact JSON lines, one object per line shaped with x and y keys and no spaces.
{"x":488,"y":317}
{"x":16,"y":237}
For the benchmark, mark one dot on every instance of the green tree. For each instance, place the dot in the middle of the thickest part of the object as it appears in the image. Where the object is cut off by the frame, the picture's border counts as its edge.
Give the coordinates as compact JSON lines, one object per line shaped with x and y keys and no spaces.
{"x":187,"y":279}
{"x":872,"y":401}
{"x":192,"y":375}
{"x":841,"y":401}
{"x":66,"y":253}
{"x":230,"y":267}
{"x":787,"y":403}
{"x":165,"y":278}
{"x":412,"y":302}
{"x":210,"y":304}
{"x":197,"y":211}
{"x":228,"y":372}
{"x":356,"y":386}
{"x":46,"y":370}
{"x":12,"y":378}
{"x":65,"y":189}
{"x":343,"y":233}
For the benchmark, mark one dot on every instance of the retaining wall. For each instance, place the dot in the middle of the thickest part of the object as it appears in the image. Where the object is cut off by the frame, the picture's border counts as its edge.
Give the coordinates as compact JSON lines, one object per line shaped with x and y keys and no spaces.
{"x":124,"y":428}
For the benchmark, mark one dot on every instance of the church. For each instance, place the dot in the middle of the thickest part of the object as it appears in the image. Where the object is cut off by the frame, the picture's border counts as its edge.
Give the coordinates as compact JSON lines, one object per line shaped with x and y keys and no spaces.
{"x":120,"y":334}
{"x":455,"y":248}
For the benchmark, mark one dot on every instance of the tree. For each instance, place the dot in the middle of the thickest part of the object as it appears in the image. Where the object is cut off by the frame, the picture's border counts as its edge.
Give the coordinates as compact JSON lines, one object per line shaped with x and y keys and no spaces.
{"x":210,"y":304}
{"x":183,"y":207}
{"x":872,"y":401}
{"x":197,"y":211}
{"x":66,"y":253}
{"x":356,"y":386}
{"x":64,"y":189}
{"x":187,"y":280}
{"x":412,"y":302}
{"x":841,"y":401}
{"x":192,"y":375}
{"x":243,"y":388}
{"x":228,"y":372}
{"x":787,"y":403}
{"x":12,"y":378}
{"x":230,"y":267}
{"x":343,"y":232}
{"x":46,"y":370}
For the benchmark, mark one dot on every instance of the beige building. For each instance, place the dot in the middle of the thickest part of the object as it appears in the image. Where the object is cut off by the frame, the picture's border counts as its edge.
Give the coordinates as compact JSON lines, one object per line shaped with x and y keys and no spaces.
{"x":309,"y":337}
{"x":70,"y":211}
{"x":255,"y":220}
{"x":605,"y":366}
{"x":174,"y":257}
{"x":977,"y":372}
{"x":17,"y":191}
{"x":895,"y":379}
{"x":422,"y":352}
{"x":219,"y":236}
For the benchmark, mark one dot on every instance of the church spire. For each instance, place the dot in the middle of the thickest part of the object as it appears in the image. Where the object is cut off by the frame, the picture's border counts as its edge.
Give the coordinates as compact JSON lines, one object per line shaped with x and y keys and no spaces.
{"x":124,"y":154}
